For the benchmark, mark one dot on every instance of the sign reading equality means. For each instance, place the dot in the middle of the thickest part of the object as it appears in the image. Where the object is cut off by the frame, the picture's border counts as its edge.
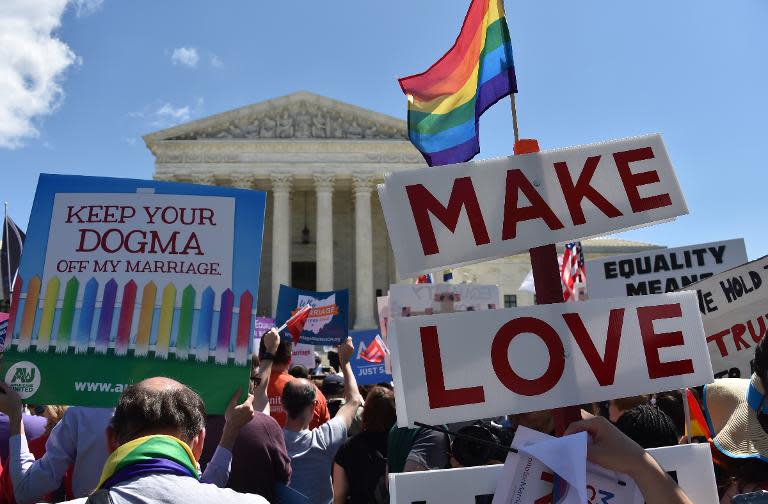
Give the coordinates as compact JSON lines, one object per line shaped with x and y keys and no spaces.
{"x":542,"y":357}
{"x":661,"y":270}
{"x":734,"y":311}
{"x":469,"y":212}
{"x":127,"y":279}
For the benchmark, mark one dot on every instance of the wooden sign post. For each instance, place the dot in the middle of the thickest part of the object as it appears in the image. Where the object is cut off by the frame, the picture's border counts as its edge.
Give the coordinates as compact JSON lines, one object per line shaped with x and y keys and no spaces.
{"x":546,"y":277}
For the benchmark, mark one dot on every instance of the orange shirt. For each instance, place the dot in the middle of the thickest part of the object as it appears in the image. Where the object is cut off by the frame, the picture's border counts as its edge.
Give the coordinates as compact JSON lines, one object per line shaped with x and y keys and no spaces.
{"x":275,"y":387}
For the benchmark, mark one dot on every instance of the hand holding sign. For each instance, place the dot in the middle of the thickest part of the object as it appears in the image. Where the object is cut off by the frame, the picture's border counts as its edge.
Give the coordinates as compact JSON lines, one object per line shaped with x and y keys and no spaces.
{"x":271,"y":340}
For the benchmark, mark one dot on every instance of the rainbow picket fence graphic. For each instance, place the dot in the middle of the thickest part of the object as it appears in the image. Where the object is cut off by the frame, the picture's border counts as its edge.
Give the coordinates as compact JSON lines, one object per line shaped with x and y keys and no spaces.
{"x":158,"y":321}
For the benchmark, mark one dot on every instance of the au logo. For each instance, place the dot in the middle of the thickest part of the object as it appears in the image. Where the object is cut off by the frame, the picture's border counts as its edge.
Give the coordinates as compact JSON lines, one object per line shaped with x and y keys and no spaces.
{"x":24,"y":377}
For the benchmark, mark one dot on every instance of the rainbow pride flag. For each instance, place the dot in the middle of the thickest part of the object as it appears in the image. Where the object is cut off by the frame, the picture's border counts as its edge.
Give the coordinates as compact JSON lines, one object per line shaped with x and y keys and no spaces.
{"x":445,"y":102}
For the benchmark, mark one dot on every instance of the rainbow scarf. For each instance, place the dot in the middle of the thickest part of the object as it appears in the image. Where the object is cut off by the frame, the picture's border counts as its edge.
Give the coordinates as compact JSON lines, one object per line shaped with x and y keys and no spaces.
{"x":445,"y":102}
{"x":157,"y":454}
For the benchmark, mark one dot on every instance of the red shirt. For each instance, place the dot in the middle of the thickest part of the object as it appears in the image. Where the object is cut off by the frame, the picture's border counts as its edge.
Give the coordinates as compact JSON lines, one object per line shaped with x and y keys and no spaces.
{"x":275,"y":388}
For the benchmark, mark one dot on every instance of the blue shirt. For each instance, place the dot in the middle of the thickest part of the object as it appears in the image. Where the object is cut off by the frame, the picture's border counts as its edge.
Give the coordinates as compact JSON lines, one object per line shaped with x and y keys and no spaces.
{"x":312,"y":453}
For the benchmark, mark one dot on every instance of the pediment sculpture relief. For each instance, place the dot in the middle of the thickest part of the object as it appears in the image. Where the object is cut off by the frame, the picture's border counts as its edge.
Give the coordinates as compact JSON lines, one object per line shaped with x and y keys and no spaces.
{"x":299,"y":121}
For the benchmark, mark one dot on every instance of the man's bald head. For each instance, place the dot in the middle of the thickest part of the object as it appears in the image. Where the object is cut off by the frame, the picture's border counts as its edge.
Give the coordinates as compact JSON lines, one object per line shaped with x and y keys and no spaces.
{"x":158,"y":405}
{"x":297,"y":396}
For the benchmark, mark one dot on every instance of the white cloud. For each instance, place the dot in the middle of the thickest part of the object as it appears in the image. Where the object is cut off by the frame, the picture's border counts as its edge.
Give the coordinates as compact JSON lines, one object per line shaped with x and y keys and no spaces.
{"x":32,"y":63}
{"x":216,"y":61}
{"x":167,"y":115}
{"x":86,"y":7}
{"x":186,"y":56}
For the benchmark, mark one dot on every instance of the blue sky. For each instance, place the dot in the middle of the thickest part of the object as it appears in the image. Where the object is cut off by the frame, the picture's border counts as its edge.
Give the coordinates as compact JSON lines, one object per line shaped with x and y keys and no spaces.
{"x":588,"y":71}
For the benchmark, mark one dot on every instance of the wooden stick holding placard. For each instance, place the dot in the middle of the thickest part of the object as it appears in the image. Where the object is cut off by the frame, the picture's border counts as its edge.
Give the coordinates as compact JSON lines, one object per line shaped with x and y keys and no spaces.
{"x":546,"y":278}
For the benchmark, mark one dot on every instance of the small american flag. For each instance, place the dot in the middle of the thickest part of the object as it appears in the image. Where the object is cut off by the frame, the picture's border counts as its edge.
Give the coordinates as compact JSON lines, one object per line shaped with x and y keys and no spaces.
{"x":425,"y":279}
{"x":375,"y":352}
{"x":572,"y":270}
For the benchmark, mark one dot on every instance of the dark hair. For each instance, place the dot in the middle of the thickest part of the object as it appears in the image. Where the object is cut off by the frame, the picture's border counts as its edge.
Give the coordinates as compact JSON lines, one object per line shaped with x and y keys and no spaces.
{"x":379,"y":410}
{"x":297,"y":396}
{"x":142,"y":409}
{"x":299,"y":372}
{"x":671,"y":403}
{"x":648,"y":426}
{"x":471,"y":454}
{"x":283,"y":353}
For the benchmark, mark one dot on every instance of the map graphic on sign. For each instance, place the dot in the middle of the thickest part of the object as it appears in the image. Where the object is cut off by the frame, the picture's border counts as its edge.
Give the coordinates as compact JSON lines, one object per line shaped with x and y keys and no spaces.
{"x":319,"y":317}
{"x":327,"y":323}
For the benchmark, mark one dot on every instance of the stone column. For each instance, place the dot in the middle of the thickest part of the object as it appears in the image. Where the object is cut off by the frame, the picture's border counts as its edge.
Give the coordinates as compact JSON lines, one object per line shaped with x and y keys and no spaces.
{"x":324,"y":242}
{"x":362,"y":184}
{"x":242,"y":180}
{"x":281,"y":233}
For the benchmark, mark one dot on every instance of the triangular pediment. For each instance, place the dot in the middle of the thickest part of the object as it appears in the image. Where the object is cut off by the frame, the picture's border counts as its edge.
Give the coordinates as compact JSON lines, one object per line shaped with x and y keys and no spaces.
{"x":298,"y":116}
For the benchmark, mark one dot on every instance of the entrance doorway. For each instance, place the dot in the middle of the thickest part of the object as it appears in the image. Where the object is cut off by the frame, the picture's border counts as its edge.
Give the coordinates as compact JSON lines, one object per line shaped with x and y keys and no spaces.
{"x":304,"y":275}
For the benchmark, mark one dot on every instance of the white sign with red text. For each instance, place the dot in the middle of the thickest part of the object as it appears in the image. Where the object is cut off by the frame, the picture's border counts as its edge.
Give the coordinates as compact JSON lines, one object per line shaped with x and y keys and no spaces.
{"x":470,"y":212}
{"x":542,"y":357}
{"x":734,"y":310}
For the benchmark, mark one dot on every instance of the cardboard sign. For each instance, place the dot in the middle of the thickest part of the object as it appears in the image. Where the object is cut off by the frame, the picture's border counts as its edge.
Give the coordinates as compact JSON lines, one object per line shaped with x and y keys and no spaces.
{"x":328,"y":320}
{"x":382,"y":305}
{"x":468,"y":365}
{"x":126,"y":279}
{"x":368,"y":360}
{"x":663,"y":270}
{"x":734,"y":310}
{"x":445,"y":216}
{"x":302,"y":354}
{"x":429,"y":299}
{"x":3,"y":330}
{"x":690,"y":465}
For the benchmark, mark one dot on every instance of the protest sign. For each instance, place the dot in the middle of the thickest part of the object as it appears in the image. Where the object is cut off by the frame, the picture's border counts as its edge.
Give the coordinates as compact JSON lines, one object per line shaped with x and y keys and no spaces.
{"x":3,"y":330}
{"x":462,"y":366}
{"x":368,"y":360}
{"x":691,"y":466}
{"x":734,"y":310}
{"x":464,"y":213}
{"x":409,"y":300}
{"x":328,"y":319}
{"x":302,"y":354}
{"x":382,"y":305}
{"x":126,"y":279}
{"x":662,"y":270}
{"x":523,"y":479}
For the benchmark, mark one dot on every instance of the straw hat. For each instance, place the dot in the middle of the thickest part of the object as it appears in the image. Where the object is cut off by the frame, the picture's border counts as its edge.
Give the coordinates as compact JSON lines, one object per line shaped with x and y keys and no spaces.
{"x":731,"y":408}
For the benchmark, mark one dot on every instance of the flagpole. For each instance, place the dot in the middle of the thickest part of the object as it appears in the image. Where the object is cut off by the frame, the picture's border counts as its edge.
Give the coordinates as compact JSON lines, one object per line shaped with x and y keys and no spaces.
{"x":514,"y":117}
{"x":7,"y":252}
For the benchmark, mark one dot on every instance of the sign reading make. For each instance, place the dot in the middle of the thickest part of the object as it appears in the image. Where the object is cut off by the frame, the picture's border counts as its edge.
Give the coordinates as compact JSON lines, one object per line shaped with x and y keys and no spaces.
{"x":663,"y":270}
{"x":469,"y":212}
{"x":543,"y":357}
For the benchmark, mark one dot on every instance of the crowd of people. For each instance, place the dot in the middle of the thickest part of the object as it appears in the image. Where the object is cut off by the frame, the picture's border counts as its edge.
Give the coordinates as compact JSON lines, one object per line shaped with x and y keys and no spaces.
{"x":315,"y":436}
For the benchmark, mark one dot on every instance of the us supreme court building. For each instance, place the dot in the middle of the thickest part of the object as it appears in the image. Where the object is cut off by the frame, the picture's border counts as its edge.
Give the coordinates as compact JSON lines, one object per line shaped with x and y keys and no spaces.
{"x":320,"y":160}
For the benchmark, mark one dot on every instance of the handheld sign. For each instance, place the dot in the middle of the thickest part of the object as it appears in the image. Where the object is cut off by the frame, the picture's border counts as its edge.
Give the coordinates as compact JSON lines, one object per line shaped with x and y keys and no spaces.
{"x":734,"y":310}
{"x":689,"y":465}
{"x":462,"y":366}
{"x":430,"y":299}
{"x":662,"y":270}
{"x":368,"y":360}
{"x":445,"y":216}
{"x":327,"y":323}
{"x":127,"y":279}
